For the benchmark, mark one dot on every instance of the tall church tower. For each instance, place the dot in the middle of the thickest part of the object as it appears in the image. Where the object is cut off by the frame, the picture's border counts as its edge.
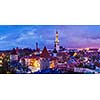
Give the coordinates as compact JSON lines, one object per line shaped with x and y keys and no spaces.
{"x":57,"y":42}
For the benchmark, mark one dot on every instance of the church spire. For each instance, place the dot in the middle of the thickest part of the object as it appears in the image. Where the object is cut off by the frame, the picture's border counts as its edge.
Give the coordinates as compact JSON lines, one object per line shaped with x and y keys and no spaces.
{"x":57,"y":41}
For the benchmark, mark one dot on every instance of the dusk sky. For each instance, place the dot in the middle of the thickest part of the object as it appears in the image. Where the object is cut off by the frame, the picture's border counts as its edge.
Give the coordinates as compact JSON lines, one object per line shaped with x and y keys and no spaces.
{"x":71,"y":36}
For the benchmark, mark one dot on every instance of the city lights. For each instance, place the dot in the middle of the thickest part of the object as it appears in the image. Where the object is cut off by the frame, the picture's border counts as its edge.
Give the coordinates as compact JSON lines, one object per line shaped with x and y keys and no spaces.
{"x":50,"y":54}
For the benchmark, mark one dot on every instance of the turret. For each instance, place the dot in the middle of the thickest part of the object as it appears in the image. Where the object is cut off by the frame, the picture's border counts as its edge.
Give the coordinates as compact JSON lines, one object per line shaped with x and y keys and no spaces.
{"x":45,"y":59}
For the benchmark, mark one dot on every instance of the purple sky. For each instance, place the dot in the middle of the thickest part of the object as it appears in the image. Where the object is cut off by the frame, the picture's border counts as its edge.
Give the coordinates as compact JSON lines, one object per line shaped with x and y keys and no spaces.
{"x":75,"y":36}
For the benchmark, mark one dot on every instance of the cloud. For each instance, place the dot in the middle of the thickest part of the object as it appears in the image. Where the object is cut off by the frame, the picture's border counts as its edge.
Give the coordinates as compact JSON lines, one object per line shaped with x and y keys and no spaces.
{"x":69,"y":36}
{"x":3,"y":37}
{"x":29,"y":35}
{"x":29,"y":38}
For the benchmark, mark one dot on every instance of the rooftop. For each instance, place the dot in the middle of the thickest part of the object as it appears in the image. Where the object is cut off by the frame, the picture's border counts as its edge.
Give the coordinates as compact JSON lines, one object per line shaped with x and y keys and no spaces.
{"x":45,"y":53}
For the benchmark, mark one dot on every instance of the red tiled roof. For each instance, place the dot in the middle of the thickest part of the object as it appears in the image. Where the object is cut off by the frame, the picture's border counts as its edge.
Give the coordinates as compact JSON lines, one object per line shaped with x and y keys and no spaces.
{"x":93,"y":49}
{"x":30,"y":57}
{"x":97,"y":64}
{"x":53,"y":58}
{"x":13,"y":52}
{"x":45,"y":53}
{"x":61,"y":53}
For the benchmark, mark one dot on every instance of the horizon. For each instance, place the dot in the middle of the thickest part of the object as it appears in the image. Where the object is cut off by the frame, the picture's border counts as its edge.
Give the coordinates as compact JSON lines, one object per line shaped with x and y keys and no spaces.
{"x":70,"y":36}
{"x":50,"y":49}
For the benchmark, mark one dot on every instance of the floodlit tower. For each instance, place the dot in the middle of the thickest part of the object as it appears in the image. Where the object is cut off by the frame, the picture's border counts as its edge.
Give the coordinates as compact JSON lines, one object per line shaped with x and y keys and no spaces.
{"x":57,"y":42}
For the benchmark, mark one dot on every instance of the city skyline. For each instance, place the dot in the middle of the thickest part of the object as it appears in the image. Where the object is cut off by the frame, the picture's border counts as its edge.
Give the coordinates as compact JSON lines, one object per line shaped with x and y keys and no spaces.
{"x":70,"y":36}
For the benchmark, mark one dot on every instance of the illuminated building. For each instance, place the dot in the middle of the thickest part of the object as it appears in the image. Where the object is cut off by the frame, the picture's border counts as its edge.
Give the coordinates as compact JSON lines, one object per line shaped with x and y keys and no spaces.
{"x":56,"y":42}
{"x":80,"y":49}
{"x":55,"y":52}
{"x":1,"y":58}
{"x":32,"y":62}
{"x":87,"y":49}
{"x":53,"y":62}
{"x":99,"y":50}
{"x":45,"y":59}
{"x":75,"y":54}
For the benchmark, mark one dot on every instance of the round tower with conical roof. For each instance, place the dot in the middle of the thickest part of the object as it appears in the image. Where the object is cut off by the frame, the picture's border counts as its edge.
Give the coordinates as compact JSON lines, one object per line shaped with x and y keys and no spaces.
{"x":45,"y":59}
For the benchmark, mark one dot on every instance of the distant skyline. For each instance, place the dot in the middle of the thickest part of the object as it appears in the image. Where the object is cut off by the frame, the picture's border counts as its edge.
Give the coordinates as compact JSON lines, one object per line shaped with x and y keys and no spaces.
{"x":70,"y":36}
